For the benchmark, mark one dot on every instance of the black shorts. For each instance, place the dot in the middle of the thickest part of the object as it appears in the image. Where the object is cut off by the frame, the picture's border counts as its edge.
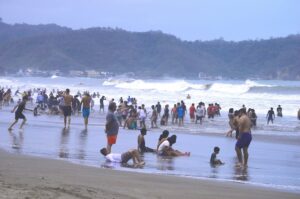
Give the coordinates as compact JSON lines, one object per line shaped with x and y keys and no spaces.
{"x":19,"y":115}
{"x":67,"y":111}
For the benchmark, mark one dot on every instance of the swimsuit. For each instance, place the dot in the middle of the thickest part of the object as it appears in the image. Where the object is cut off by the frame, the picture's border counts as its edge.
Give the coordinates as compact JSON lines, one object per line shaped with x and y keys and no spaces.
{"x":244,"y":140}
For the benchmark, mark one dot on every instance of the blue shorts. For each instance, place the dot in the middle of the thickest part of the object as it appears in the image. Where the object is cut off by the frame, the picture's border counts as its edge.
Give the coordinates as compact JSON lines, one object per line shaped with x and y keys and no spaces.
{"x":244,"y":140}
{"x":85,"y":112}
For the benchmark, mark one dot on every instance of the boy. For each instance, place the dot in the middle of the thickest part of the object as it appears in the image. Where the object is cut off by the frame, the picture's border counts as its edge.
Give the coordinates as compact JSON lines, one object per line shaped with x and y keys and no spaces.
{"x":213,"y":158}
{"x":124,"y":157}
{"x":19,"y":113}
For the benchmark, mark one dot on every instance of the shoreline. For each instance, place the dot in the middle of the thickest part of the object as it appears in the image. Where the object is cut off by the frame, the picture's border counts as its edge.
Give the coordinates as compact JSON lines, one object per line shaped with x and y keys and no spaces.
{"x":24,"y":176}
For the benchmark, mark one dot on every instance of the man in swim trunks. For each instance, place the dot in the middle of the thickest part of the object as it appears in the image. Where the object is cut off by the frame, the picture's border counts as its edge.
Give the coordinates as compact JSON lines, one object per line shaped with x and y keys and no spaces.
{"x":86,"y":106}
{"x":111,"y":126}
{"x":67,"y":108}
{"x":123,"y":157}
{"x":244,"y":138}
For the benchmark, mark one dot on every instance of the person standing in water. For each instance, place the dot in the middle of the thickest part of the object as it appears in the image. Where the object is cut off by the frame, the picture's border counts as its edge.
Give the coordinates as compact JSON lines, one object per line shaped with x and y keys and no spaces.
{"x":67,"y":109}
{"x":19,"y":113}
{"x":86,"y":107}
{"x":270,"y":116}
{"x":111,"y":126}
{"x":244,"y":138}
{"x":279,"y":111}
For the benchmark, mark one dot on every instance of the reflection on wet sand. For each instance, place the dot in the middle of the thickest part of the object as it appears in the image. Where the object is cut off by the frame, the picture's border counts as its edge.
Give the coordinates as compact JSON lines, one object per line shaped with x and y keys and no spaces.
{"x":17,"y":140}
{"x":64,"y":140}
{"x":240,"y":173}
{"x":165,"y":163}
{"x":82,"y":144}
{"x":214,"y":171}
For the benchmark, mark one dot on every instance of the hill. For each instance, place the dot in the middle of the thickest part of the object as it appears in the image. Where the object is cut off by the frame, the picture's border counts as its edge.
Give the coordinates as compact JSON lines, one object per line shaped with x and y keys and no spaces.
{"x":151,"y":54}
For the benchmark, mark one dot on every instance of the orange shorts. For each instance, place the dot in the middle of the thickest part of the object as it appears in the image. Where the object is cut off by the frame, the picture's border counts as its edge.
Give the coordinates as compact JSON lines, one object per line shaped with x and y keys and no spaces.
{"x":112,"y":139}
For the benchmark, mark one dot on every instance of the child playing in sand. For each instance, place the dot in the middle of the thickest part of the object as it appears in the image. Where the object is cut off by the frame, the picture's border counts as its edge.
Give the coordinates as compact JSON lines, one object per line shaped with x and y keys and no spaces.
{"x":213,"y":158}
{"x":124,"y":157}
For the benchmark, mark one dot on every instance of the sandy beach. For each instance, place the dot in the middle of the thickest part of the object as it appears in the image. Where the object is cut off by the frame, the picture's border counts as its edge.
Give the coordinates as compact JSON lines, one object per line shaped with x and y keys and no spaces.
{"x":30,"y":177}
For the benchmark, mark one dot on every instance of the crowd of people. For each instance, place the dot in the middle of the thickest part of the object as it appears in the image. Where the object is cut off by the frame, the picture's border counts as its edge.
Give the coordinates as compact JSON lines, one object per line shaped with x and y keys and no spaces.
{"x":128,"y":114}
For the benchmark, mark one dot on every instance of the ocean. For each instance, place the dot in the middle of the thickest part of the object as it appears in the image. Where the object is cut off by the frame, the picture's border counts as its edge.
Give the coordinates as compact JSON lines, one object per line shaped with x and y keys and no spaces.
{"x":271,"y":163}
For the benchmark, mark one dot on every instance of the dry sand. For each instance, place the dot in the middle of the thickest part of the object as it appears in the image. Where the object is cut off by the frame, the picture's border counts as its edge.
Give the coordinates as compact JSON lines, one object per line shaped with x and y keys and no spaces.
{"x":32,"y":177}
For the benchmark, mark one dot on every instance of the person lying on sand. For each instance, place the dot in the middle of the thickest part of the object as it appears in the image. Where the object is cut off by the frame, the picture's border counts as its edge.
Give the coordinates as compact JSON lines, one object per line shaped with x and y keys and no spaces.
{"x":123,"y":157}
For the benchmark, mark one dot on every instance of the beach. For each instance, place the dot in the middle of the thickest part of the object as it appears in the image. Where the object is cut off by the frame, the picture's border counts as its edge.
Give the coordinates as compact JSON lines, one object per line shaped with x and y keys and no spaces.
{"x":24,"y":176}
{"x":45,"y":160}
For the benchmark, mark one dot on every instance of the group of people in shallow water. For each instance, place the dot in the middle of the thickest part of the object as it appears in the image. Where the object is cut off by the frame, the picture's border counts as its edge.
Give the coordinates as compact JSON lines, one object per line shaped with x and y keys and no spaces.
{"x":128,"y":113}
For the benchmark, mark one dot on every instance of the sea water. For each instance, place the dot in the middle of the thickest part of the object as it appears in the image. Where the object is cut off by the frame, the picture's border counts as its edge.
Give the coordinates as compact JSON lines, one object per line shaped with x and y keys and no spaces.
{"x":270,"y":164}
{"x":260,"y":95}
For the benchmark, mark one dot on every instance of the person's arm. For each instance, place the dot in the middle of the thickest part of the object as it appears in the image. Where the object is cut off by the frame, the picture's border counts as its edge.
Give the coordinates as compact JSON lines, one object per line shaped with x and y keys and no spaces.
{"x":14,"y":108}
{"x":28,"y":109}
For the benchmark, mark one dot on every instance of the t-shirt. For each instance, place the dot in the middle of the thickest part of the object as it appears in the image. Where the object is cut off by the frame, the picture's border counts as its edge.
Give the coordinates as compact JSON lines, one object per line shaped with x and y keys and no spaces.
{"x":112,"y":125}
{"x":192,"y":110}
{"x":21,"y":107}
{"x":180,"y":111}
{"x":213,"y":158}
{"x":142,"y":113}
{"x":114,"y":157}
{"x":163,"y":145}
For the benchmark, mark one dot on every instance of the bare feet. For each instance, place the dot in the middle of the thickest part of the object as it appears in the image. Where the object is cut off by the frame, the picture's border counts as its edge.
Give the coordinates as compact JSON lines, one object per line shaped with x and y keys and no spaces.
{"x":142,"y":163}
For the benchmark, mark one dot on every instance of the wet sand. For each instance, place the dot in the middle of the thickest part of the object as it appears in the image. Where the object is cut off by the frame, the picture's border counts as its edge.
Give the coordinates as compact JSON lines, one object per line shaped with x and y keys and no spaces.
{"x":31,"y":177}
{"x":44,"y":178}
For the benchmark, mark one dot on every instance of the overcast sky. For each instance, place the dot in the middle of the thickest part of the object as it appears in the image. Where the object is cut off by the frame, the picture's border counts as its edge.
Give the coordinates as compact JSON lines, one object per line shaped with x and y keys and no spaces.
{"x":187,"y":19}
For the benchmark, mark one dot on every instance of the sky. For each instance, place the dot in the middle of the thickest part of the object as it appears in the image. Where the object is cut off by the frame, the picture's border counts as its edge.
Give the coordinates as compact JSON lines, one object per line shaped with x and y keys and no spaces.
{"x":232,"y":20}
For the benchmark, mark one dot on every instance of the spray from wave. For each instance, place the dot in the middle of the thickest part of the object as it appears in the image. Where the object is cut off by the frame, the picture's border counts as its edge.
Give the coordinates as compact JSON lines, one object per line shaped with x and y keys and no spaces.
{"x":171,"y":86}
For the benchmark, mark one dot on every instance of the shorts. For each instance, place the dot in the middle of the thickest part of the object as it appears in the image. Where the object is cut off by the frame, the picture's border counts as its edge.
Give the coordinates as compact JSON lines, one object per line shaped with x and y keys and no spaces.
{"x":85,"y":112}
{"x":199,"y":117}
{"x":19,"y":116}
{"x":67,"y":111}
{"x":126,"y":157}
{"x":244,"y":140}
{"x":112,"y":139}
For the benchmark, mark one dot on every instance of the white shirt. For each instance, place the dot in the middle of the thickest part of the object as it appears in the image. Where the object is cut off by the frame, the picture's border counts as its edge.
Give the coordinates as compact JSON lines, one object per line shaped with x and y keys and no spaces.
{"x":164,"y":144}
{"x":114,"y":157}
{"x":200,"y":111}
{"x":142,"y":113}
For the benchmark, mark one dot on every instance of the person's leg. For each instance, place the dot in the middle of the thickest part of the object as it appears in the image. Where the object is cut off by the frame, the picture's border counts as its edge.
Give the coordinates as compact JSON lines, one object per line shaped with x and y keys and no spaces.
{"x":65,"y":121}
{"x":24,"y":120}
{"x":86,"y":121}
{"x":246,"y":155}
{"x":239,"y":154}
{"x":69,"y":120}
{"x":10,"y":128}
{"x":108,"y":147}
{"x":136,"y":157}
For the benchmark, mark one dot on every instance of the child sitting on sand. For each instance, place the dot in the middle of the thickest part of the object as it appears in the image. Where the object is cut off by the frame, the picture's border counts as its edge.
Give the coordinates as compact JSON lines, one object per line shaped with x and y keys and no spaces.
{"x":213,"y":158}
{"x":124,"y":157}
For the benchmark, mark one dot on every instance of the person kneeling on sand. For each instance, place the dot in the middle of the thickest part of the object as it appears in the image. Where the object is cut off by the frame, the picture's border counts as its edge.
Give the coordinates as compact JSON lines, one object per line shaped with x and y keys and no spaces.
{"x":123,"y":157}
{"x":165,"y":148}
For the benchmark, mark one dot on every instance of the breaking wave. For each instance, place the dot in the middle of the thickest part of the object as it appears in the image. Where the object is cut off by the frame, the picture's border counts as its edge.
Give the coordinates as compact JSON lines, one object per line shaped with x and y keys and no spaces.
{"x":182,"y":85}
